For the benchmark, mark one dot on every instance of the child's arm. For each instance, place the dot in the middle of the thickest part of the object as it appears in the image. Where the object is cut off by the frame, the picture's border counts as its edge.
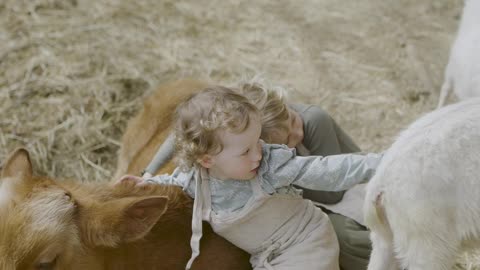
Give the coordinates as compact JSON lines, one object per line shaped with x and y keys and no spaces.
{"x":164,"y":179}
{"x":330,"y":173}
{"x":177,"y":178}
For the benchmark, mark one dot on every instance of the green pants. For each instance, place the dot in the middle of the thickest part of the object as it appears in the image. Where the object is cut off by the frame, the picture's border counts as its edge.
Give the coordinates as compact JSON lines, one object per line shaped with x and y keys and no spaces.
{"x":354,"y":240}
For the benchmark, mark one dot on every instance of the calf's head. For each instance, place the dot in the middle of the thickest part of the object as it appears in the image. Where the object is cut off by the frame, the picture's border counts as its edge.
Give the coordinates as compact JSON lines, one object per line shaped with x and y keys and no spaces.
{"x":50,"y":225}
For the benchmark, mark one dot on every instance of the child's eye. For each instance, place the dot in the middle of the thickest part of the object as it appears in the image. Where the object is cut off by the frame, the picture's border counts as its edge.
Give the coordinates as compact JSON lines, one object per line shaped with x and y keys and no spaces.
{"x":246,"y":152}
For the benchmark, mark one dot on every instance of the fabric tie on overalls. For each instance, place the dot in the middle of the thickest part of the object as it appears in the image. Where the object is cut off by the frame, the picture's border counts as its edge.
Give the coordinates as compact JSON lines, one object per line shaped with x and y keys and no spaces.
{"x":201,"y":210}
{"x":264,"y":258}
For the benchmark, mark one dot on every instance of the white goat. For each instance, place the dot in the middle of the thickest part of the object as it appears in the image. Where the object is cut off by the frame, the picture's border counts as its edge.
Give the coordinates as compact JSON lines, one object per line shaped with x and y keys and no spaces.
{"x":463,"y":69}
{"x":423,"y":204}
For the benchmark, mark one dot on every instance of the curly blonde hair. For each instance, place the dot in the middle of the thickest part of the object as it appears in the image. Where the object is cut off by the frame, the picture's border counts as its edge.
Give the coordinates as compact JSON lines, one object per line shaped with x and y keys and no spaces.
{"x":199,"y":118}
{"x":271,"y":104}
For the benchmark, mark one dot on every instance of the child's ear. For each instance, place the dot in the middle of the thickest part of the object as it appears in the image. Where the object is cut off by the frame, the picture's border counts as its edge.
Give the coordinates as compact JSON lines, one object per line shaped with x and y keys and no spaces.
{"x":206,"y":161}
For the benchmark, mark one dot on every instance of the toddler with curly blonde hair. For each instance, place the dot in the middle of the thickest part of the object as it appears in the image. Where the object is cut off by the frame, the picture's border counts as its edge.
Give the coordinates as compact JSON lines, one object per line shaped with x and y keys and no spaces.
{"x":244,"y":187}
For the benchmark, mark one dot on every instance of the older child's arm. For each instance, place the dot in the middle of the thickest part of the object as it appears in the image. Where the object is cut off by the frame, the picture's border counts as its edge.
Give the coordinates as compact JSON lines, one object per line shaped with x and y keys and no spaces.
{"x":163,"y":155}
{"x":330,"y":173}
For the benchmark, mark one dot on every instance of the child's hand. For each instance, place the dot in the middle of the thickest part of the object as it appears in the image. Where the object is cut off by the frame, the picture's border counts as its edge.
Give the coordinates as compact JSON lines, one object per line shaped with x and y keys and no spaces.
{"x":130,"y":179}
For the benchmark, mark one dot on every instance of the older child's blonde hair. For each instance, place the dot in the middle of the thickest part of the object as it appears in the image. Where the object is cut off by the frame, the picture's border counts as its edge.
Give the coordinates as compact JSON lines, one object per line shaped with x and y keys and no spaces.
{"x":272,"y":105}
{"x":199,"y":118}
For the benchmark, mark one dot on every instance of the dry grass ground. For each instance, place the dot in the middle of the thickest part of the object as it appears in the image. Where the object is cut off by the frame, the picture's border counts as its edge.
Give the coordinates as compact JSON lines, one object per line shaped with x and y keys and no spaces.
{"x":73,"y":72}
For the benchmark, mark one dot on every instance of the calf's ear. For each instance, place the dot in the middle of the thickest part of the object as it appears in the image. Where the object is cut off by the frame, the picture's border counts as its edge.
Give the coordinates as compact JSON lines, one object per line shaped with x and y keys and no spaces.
{"x":140,"y":216}
{"x":18,"y":165}
{"x":122,"y":220}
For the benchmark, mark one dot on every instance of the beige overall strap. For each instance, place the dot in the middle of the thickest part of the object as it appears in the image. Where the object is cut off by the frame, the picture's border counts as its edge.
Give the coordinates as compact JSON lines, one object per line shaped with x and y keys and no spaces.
{"x":201,"y":210}
{"x":207,"y":197}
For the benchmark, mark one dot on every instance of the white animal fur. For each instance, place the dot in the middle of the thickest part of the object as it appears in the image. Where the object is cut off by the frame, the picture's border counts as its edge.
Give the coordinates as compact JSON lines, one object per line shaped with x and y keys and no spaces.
{"x":463,"y":69}
{"x":423,"y":203}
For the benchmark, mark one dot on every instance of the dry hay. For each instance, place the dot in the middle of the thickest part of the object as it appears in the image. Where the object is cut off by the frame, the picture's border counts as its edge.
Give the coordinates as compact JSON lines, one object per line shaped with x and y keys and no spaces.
{"x":73,"y":72}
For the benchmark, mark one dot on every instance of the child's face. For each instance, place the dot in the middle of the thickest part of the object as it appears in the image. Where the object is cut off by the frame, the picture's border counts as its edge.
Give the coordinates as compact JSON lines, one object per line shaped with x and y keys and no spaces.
{"x":294,"y":134}
{"x":241,"y":154}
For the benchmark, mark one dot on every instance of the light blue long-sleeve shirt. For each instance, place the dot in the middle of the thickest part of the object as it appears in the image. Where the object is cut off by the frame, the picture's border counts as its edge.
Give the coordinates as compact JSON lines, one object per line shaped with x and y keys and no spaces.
{"x":279,"y":169}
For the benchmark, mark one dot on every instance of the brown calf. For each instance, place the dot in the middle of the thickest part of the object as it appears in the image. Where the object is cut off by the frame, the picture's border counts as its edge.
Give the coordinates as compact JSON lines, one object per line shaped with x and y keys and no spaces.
{"x":58,"y":225}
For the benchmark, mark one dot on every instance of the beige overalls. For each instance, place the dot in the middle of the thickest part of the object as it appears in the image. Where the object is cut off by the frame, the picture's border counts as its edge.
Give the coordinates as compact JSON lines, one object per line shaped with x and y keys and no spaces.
{"x":280,"y":231}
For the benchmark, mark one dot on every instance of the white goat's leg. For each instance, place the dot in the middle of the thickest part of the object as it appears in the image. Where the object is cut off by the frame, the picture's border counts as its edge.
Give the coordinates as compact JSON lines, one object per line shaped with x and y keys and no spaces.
{"x":382,"y":257}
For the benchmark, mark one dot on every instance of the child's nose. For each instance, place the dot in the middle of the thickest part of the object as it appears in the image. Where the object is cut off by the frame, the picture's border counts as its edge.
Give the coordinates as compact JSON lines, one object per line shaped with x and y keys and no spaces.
{"x":258,"y":152}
